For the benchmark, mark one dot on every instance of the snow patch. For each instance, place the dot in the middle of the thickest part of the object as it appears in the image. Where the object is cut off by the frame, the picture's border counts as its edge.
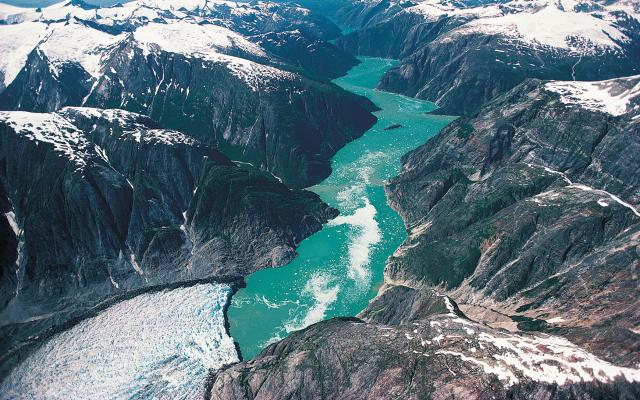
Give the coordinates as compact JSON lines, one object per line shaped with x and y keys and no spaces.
{"x":612,"y":96}
{"x":11,"y":218}
{"x":53,"y":129}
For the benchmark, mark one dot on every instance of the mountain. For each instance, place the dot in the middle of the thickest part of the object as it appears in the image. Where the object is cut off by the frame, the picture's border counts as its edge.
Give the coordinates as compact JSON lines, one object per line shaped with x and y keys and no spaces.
{"x":100,"y":203}
{"x":152,"y":144}
{"x":509,"y":211}
{"x":444,"y":356}
{"x":517,"y":277}
{"x":461,"y":54}
{"x":245,"y":78}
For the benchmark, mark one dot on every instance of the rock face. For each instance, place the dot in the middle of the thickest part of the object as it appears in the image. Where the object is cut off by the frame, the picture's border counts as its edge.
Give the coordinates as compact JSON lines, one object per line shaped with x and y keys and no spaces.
{"x":441,"y":357}
{"x":387,"y":29}
{"x":314,"y":56}
{"x":99,"y":203}
{"x":510,"y":211}
{"x":462,"y":54}
{"x":518,"y":275}
{"x":249,"y":80}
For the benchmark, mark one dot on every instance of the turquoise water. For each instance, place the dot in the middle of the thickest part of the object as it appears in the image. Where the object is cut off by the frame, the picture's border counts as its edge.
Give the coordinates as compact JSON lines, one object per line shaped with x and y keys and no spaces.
{"x":339,"y":269}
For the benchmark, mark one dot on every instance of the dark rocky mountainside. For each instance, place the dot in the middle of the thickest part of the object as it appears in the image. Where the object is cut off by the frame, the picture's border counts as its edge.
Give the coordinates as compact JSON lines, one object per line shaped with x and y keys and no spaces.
{"x":527,"y":214}
{"x":440,"y":357}
{"x":462,"y":54}
{"x":518,"y":275}
{"x":98,"y":203}
{"x":250,"y":80}
{"x":315,"y":57}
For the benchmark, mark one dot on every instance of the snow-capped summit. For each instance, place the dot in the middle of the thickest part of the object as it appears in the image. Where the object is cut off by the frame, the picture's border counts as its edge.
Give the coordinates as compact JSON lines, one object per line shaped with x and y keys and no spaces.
{"x":66,"y":139}
{"x":554,"y":26}
{"x":214,"y":30}
{"x":576,"y":25}
{"x":221,"y":71}
{"x":73,"y":32}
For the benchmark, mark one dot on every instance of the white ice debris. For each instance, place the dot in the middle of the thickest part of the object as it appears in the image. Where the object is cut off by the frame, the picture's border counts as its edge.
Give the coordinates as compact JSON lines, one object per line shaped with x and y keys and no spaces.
{"x":324,"y":292}
{"x":362,"y":241}
{"x":611,"y":96}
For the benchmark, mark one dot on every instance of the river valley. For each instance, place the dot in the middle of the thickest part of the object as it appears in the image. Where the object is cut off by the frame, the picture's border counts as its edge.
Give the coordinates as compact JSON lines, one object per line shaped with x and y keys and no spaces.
{"x":163,"y":344}
{"x":340,"y":268}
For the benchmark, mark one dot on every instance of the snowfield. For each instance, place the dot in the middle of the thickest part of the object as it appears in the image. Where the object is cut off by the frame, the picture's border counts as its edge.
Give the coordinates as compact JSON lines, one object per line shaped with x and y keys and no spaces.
{"x":16,"y":42}
{"x":550,"y":26}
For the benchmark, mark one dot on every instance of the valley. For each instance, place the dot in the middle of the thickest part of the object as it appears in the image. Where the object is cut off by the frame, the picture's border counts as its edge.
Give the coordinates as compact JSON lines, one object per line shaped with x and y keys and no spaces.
{"x":363,"y":199}
{"x":339,"y":269}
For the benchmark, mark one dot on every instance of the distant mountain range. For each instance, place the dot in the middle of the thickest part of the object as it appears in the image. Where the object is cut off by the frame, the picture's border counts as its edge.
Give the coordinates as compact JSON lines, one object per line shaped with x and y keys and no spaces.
{"x":46,"y":3}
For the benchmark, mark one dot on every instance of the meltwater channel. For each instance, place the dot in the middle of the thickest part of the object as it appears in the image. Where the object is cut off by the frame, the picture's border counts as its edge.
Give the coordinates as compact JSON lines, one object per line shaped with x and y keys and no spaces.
{"x":340,"y":268}
{"x":164,"y":344}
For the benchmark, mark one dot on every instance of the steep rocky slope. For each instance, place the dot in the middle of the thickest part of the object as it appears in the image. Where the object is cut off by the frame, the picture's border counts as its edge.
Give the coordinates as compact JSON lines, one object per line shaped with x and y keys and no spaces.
{"x":244,"y":78}
{"x":527,"y":214}
{"x":461,"y":54}
{"x":100,"y":203}
{"x":518,"y":276}
{"x":441,"y":357}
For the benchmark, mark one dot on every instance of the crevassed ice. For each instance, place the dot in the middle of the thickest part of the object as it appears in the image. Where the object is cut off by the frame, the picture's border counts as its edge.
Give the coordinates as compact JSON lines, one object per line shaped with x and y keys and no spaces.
{"x":156,"y":345}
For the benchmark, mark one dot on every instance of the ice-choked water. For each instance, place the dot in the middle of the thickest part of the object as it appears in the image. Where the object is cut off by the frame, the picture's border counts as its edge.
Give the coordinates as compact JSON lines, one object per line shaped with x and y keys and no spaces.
{"x":156,"y":345}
